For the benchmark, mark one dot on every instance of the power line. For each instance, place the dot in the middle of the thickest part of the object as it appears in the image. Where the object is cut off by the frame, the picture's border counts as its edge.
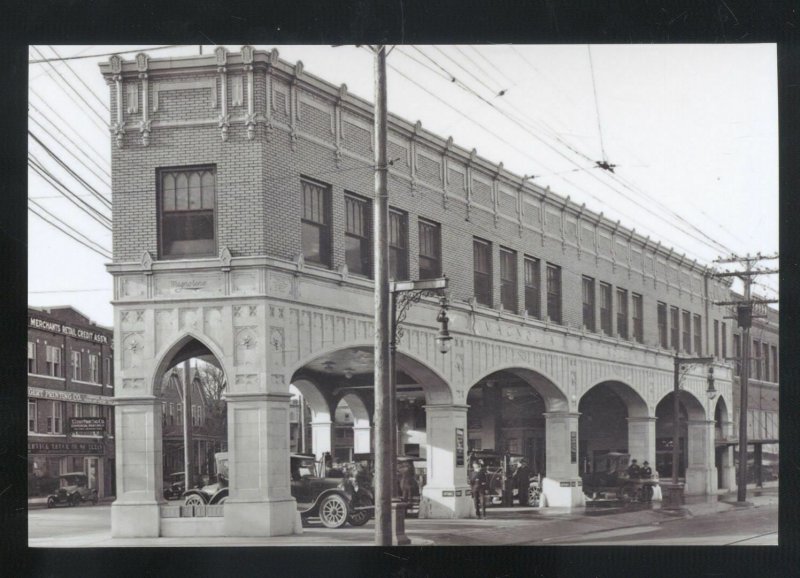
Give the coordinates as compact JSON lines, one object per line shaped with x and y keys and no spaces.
{"x":103,"y":125}
{"x":68,"y":193}
{"x":137,"y":50}
{"x":492,"y":65}
{"x":70,"y":150}
{"x":72,"y":70}
{"x":68,"y":230}
{"x":77,"y":177}
{"x":596,"y":106}
{"x":67,"y":123}
{"x":519,"y":123}
{"x":73,"y":290}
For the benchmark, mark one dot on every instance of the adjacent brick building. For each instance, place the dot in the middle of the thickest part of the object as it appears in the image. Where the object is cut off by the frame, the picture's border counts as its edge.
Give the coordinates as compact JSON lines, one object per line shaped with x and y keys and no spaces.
{"x":70,"y":400}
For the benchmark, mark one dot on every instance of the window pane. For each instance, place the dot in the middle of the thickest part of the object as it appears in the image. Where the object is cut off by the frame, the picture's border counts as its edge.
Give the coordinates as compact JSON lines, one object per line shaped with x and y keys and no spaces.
{"x":622,"y":313}
{"x":208,"y":190}
{"x":687,"y":335}
{"x":662,"y":325}
{"x":169,"y":192}
{"x":182,"y":192}
{"x":481,"y":272}
{"x":429,"y":250}
{"x":588,"y":303}
{"x":675,"y":328}
{"x":508,"y":279}
{"x":187,"y":222}
{"x":554,"y":293}
{"x":195,"y":194}
{"x":532,"y":288}
{"x":605,"y":308}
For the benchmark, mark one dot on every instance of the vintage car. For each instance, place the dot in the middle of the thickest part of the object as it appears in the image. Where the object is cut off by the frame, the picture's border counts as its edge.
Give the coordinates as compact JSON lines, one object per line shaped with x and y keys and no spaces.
{"x":175,"y":486}
{"x":417,"y":466}
{"x":73,"y":488}
{"x":493,"y":462}
{"x":609,"y":480}
{"x":213,"y":493}
{"x":335,"y":500}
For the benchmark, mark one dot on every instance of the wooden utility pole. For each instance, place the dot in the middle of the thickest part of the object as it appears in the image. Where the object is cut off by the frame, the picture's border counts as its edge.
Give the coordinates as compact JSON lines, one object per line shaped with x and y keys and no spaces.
{"x":744,"y":317}
{"x":384,"y":469}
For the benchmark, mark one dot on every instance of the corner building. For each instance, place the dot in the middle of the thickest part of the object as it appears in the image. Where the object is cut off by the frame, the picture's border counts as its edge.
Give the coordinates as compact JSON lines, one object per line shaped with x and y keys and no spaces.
{"x":242,"y":191}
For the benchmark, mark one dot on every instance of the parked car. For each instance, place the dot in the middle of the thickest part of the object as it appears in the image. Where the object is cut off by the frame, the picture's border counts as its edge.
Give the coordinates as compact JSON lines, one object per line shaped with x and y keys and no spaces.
{"x":73,"y":489}
{"x":493,"y":461}
{"x":175,"y":486}
{"x":609,"y":480}
{"x":213,"y":493}
{"x":334,"y":500}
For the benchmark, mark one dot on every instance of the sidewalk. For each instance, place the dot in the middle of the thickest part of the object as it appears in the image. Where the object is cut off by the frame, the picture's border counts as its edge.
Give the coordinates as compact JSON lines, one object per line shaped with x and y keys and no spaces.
{"x":504,"y":526}
{"x":34,"y":503}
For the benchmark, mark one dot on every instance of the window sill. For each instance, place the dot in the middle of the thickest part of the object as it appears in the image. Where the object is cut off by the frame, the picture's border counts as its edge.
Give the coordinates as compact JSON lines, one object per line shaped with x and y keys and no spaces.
{"x":53,"y":377}
{"x":81,"y":382}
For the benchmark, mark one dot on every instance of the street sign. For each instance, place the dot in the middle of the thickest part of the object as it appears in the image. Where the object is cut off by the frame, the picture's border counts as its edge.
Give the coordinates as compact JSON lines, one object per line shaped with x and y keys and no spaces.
{"x":87,"y":425}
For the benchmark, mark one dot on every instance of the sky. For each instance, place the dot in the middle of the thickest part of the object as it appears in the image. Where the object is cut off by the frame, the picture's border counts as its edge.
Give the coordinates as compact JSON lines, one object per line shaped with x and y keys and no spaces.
{"x":692,"y":130}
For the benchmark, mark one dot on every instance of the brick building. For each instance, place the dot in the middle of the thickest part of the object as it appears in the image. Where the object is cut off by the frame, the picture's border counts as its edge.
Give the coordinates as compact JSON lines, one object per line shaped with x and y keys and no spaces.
{"x":242,"y":191}
{"x":70,"y":400}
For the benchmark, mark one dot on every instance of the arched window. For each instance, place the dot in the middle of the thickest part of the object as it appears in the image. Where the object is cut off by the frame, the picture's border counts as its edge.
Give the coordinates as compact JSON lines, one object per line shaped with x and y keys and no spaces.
{"x":186,"y":212}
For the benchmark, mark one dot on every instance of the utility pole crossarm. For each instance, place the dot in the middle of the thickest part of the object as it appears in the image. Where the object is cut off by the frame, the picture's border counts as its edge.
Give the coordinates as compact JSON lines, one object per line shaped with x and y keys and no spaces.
{"x":752,"y":273}
{"x":751,"y":301}
{"x":748,"y":258}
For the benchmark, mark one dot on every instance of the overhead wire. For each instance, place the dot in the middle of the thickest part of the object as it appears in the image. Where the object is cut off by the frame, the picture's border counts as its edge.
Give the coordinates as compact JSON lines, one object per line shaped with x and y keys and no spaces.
{"x":67,"y":229}
{"x":83,"y":82}
{"x":44,"y":60}
{"x":100,"y":197}
{"x":530,"y":131}
{"x":88,"y":108}
{"x":492,"y":65}
{"x":72,"y":150}
{"x":596,"y":105}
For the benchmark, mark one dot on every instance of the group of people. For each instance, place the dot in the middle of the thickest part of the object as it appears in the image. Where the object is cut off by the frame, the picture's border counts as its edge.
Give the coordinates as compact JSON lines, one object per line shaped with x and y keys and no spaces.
{"x":637,"y":472}
{"x":479,"y":484}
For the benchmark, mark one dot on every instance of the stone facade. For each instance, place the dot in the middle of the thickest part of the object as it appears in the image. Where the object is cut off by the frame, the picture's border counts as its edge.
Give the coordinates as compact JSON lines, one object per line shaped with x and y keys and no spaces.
{"x":266,"y":314}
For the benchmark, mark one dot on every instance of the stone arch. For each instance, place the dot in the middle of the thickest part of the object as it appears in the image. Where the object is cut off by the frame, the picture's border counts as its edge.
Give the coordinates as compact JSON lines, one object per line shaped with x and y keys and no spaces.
{"x":695,"y":411}
{"x":317,"y":402}
{"x":721,"y":413}
{"x":554,"y":397}
{"x":187,"y":346}
{"x":361,"y":415}
{"x":635,"y":403}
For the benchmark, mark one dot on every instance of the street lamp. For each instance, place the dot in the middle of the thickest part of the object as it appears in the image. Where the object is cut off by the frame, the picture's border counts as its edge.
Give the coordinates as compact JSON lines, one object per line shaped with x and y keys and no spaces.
{"x":403,"y":295}
{"x":674,"y":494}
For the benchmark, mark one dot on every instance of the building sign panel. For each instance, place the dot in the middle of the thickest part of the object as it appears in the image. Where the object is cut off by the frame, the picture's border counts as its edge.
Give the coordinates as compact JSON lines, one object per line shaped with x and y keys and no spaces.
{"x":65,"y":448}
{"x":72,"y":396}
{"x":64,"y":329}
{"x":573,"y":447}
{"x":459,"y":446}
{"x":87,"y":425}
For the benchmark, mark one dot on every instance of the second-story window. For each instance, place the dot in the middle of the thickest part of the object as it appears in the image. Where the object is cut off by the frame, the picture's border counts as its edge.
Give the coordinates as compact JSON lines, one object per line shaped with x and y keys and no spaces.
{"x":675,"y":328}
{"x":533,"y":297}
{"x":605,"y":308}
{"x":588,"y":304}
{"x":186,"y":220}
{"x":430,"y":250}
{"x":765,"y":355}
{"x":482,"y":269}
{"x":31,"y":357}
{"x":755,"y":354}
{"x":54,"y":420}
{"x":508,"y":279}
{"x":107,"y":370}
{"x":724,"y":337}
{"x":775,"y":376}
{"x":554,"y":293}
{"x":638,"y":321}
{"x":622,"y":313}
{"x":662,"y":325}
{"x":76,"y":365}
{"x":32,"y":415}
{"x":716,"y":338}
{"x":53,"y":361}
{"x":687,"y":331}
{"x":357,"y":244}
{"x":94,"y":368}
{"x":737,"y":349}
{"x":398,"y":245}
{"x":316,"y":235}
{"x":698,"y":335}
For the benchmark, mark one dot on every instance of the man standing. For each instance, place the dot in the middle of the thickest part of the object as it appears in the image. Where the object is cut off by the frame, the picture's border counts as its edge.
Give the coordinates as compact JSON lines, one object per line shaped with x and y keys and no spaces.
{"x":634,"y":470}
{"x":522,"y":481}
{"x":478,"y":482}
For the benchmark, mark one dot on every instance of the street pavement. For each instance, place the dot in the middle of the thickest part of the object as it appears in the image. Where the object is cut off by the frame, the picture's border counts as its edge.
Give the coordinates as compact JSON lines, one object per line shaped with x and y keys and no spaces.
{"x":704,"y":521}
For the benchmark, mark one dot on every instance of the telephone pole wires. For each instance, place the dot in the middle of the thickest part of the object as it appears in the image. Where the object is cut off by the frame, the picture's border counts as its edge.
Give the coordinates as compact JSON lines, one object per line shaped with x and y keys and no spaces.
{"x":744,"y":317}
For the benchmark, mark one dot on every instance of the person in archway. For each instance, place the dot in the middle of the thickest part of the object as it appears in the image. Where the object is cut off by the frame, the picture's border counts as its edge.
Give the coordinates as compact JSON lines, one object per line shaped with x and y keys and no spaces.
{"x":645,"y":472}
{"x":522,"y":477}
{"x":634,"y":471}
{"x":478,"y":482}
{"x":407,"y":480}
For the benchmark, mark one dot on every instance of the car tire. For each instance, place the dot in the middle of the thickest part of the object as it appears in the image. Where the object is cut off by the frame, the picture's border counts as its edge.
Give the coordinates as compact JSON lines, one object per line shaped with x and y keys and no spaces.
{"x":51,"y":502}
{"x":359,"y":518}
{"x":333,"y":511}
{"x":94,"y":497}
{"x":533,"y":496}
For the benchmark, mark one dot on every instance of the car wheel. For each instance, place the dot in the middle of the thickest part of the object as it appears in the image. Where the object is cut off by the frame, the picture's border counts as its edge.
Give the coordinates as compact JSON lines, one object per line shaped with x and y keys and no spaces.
{"x":333,"y":511}
{"x":51,"y":502}
{"x":359,"y":518}
{"x":94,"y":497}
{"x":533,"y":496}
{"x":194,"y":500}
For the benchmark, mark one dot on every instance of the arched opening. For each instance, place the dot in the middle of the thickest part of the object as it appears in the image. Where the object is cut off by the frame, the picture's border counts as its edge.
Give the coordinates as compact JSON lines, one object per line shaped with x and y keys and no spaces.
{"x":689,"y":409}
{"x":723,"y":449}
{"x":608,"y":412}
{"x":191,"y":386}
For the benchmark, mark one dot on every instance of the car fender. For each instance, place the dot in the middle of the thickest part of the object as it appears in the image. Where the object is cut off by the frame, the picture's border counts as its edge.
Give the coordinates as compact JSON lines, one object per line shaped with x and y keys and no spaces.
{"x":202,"y":495}
{"x":220,"y":495}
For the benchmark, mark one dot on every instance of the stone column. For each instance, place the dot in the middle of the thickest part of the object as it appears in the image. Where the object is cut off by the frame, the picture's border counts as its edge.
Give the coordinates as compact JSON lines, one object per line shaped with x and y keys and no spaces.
{"x":260,"y":502}
{"x":446,"y":493}
{"x":728,"y":476}
{"x":321,"y":437}
{"x":642,"y":439}
{"x":701,"y":473}
{"x":562,"y":487}
{"x":136,"y":511}
{"x":362,"y":435}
